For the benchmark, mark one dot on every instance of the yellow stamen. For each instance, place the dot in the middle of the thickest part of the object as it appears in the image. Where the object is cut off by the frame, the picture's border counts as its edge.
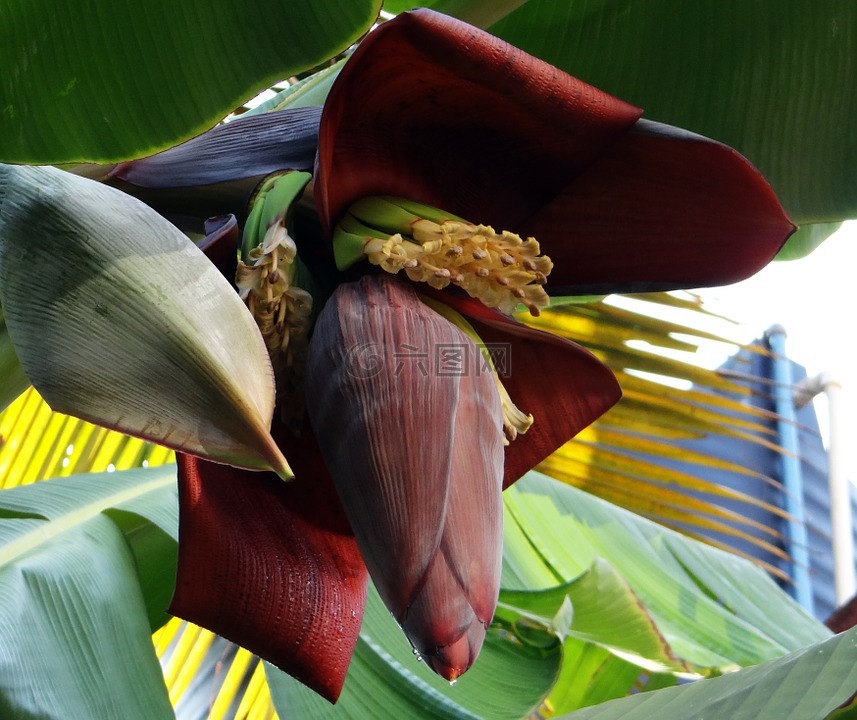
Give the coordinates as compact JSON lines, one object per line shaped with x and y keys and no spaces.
{"x":514,"y":420}
{"x":501,"y":270}
{"x":281,"y":310}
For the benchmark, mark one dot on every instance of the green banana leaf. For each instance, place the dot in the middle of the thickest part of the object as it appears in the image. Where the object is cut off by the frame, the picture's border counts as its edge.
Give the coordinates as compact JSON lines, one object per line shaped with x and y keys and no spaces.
{"x":807,"y":239}
{"x":13,"y":380}
{"x":806,"y":685}
{"x":592,"y":675}
{"x":116,"y":79}
{"x":598,"y":607}
{"x":84,"y":565}
{"x":308,"y":92}
{"x":772,"y":79}
{"x":715,"y":610}
{"x":651,"y":607}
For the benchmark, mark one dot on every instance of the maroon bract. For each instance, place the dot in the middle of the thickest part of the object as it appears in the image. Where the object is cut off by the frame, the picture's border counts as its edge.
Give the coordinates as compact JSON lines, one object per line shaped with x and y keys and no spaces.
{"x":272,"y":566}
{"x":434,"y":110}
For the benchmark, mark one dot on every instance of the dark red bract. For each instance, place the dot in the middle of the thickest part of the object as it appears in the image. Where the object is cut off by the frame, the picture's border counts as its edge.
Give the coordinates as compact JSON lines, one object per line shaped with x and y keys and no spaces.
{"x":434,"y":110}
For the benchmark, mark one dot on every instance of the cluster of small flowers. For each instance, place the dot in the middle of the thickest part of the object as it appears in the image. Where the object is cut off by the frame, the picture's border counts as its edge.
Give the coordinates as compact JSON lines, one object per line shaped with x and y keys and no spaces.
{"x":501,"y":270}
{"x":282,"y":310}
{"x":515,"y":421}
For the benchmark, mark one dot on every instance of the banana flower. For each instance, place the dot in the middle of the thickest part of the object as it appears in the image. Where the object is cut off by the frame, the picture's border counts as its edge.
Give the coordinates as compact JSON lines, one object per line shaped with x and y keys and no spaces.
{"x":400,"y":467}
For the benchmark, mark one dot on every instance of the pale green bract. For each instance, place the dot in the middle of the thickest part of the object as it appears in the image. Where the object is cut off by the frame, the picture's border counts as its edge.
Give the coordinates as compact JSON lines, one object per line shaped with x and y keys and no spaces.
{"x":119,"y":319}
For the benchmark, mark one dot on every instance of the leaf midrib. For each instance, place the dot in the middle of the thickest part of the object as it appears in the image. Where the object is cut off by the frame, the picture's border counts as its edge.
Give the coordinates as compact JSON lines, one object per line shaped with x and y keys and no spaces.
{"x":53,"y":527}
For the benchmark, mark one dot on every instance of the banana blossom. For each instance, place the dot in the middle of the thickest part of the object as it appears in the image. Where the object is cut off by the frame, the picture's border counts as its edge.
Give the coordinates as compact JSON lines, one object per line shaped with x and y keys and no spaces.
{"x":401,"y":467}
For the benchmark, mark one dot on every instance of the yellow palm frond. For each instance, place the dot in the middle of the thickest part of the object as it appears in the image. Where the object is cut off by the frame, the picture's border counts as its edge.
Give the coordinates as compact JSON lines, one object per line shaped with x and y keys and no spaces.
{"x":632,"y":455}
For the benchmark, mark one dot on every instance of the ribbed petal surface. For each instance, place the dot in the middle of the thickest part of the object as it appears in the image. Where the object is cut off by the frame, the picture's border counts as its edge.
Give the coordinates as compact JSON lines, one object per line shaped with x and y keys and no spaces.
{"x":437,"y":111}
{"x":246,"y":147}
{"x":218,"y":171}
{"x":129,"y":326}
{"x":564,"y":386}
{"x":660,"y":209}
{"x":447,"y":620}
{"x":271,"y":566}
{"x":417,"y":458}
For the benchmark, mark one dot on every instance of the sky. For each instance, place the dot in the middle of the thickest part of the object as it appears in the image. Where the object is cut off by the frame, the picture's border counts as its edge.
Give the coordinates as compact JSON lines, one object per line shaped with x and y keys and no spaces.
{"x":815,"y":300}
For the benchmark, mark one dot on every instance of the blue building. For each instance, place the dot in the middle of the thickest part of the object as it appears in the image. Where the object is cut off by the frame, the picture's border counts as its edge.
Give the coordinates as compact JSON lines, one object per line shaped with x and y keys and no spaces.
{"x":806,"y":541}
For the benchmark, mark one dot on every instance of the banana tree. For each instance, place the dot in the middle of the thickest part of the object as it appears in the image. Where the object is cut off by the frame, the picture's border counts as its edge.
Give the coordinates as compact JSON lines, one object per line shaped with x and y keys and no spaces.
{"x":421,"y":117}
